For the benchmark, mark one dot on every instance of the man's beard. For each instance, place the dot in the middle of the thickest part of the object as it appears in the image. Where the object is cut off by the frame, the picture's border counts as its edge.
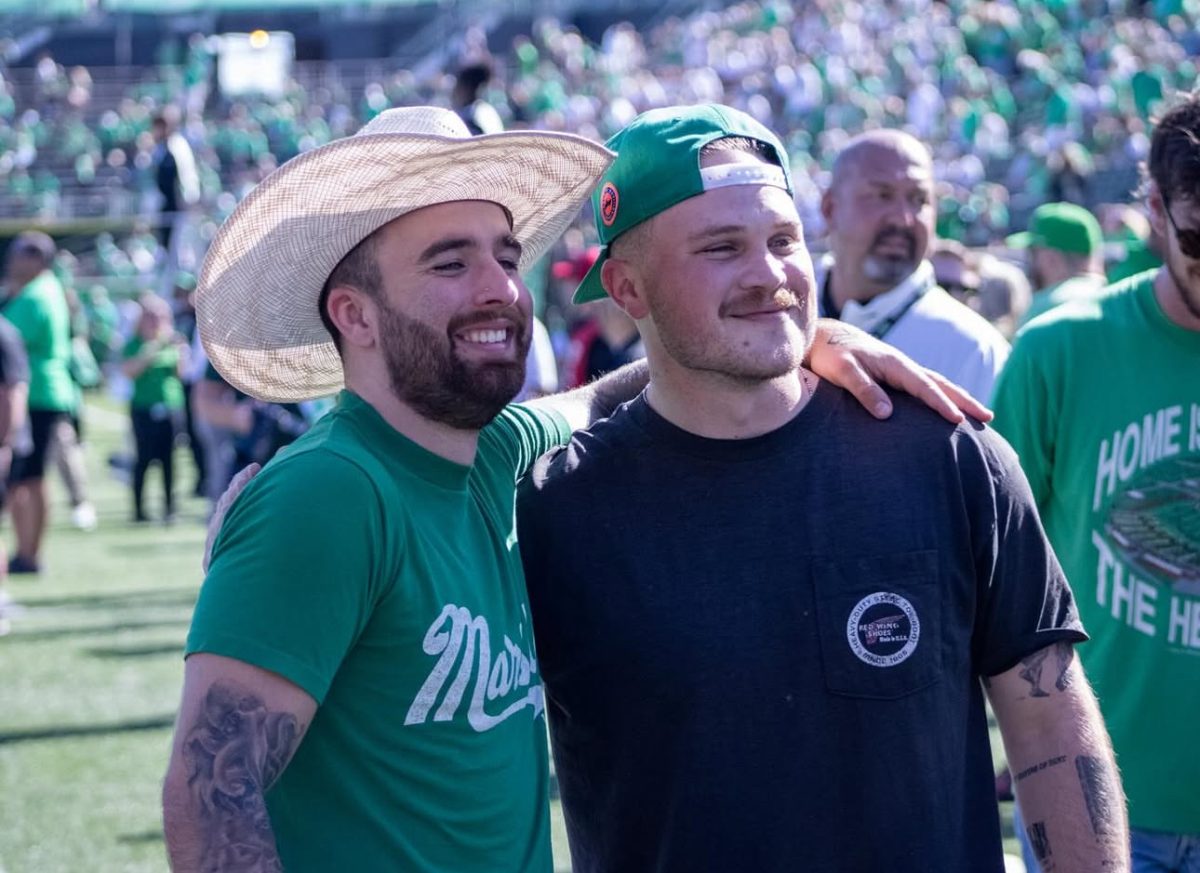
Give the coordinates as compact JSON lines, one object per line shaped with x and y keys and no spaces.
{"x":427,"y":375}
{"x":889,"y":269}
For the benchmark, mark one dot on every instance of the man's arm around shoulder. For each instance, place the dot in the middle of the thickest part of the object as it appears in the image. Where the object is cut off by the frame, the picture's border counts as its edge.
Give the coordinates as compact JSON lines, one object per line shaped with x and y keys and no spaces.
{"x":1062,"y":763}
{"x":237,"y":730}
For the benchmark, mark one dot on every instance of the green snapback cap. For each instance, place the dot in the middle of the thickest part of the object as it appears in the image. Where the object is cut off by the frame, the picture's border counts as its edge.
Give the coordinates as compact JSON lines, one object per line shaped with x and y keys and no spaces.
{"x":1064,"y":227}
{"x":658,"y":165}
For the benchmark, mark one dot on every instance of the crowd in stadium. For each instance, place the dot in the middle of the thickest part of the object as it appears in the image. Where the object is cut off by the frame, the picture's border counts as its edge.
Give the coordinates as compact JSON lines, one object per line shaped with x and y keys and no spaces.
{"x":1003,"y":192}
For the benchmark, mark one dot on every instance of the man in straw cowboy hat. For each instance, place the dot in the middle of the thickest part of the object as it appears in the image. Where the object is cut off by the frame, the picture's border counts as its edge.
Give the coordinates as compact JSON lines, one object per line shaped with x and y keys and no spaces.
{"x":361,"y":689}
{"x":729,"y":689}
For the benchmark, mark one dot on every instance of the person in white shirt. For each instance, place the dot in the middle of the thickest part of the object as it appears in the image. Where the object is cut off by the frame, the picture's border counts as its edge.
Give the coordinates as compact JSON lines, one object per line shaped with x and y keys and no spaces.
{"x":880,"y":212}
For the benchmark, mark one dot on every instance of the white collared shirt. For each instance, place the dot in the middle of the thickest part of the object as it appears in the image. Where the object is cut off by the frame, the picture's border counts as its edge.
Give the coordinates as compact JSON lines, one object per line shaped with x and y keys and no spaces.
{"x":936,"y":331}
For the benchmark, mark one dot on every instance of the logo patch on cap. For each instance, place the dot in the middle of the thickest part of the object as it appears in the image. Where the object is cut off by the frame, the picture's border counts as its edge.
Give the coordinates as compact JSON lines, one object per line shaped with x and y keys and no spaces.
{"x":609,"y":201}
{"x":883,"y":629}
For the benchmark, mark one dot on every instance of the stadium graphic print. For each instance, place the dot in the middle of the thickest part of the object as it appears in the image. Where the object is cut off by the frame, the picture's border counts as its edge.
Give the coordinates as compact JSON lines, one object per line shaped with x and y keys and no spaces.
{"x":1155,"y":525}
{"x":1146,"y":525}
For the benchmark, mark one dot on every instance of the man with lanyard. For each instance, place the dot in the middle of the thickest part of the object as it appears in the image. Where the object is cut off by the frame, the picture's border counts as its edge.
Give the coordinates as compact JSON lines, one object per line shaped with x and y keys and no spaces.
{"x":361,"y":690}
{"x":880,"y":212}
{"x":763,"y":619}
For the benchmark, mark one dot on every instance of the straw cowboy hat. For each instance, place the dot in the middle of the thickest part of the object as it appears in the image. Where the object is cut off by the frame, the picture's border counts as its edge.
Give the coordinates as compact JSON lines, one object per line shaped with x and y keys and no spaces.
{"x":258,"y":292}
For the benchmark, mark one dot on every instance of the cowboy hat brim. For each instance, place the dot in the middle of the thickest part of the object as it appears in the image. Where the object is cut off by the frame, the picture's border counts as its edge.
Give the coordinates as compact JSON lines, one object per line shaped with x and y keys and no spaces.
{"x":257,"y":295}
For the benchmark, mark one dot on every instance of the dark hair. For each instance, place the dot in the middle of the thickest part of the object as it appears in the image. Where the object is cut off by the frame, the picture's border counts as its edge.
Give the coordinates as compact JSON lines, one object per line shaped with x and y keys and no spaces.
{"x":474,"y":76}
{"x":1174,"y":164}
{"x":741,"y":144}
{"x":358,"y":269}
{"x":34,"y":243}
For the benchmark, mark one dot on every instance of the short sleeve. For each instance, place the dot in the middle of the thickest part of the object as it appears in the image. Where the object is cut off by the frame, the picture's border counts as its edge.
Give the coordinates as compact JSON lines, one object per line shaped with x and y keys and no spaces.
{"x":1027,"y":412}
{"x":296,"y":570}
{"x":1024,"y":600}
{"x":522,"y":434}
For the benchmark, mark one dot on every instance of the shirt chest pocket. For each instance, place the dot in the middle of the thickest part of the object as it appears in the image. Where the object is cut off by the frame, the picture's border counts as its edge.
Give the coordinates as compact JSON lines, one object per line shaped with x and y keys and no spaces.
{"x":879,"y":620}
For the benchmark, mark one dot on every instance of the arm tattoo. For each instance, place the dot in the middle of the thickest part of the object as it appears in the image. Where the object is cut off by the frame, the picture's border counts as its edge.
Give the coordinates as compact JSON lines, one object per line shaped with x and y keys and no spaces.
{"x":1064,"y":653}
{"x":1040,"y":843}
{"x":1037,"y":768}
{"x":234,"y":753}
{"x":1032,"y":672}
{"x":1100,"y":793}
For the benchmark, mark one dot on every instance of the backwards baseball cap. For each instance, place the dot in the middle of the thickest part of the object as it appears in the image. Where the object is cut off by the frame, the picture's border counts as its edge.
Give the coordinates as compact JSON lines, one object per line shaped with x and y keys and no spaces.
{"x":1064,"y":227}
{"x":658,"y":165}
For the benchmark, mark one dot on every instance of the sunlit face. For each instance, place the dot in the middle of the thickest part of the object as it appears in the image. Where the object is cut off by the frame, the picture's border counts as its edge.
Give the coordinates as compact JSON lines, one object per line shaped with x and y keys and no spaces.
{"x":730,"y":286}
{"x":455,"y":316}
{"x":881,"y":216}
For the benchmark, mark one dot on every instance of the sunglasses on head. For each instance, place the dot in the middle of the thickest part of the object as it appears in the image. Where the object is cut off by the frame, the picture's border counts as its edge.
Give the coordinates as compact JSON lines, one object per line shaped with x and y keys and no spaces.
{"x":1189,"y":238}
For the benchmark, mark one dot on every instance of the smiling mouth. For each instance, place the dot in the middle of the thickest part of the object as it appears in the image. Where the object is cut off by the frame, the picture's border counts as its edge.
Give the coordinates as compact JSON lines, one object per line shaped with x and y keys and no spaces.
{"x":482,"y":337}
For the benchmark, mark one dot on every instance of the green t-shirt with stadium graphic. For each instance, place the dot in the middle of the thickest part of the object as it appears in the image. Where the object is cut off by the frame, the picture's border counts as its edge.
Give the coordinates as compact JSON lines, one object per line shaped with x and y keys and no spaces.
{"x":386,"y":581}
{"x":159,"y":383}
{"x":41,"y":316}
{"x":1101,"y":400}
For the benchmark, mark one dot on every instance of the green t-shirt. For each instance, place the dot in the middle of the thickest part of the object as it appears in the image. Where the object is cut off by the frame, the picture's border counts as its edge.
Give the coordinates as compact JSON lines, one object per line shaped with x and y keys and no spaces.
{"x":1101,"y":400}
{"x":1075,"y":288}
{"x":386,"y":582}
{"x":40,"y":313}
{"x":159,"y":383}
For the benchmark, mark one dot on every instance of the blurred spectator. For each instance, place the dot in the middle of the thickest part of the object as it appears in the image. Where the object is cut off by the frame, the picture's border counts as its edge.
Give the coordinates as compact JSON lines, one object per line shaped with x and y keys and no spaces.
{"x":605,"y":338}
{"x":466,"y":99}
{"x":37,"y":307}
{"x":880,"y":212}
{"x":1066,"y":256}
{"x":14,"y":433}
{"x":1131,"y":246}
{"x":174,"y":174}
{"x":1004,"y":294}
{"x":154,"y":358}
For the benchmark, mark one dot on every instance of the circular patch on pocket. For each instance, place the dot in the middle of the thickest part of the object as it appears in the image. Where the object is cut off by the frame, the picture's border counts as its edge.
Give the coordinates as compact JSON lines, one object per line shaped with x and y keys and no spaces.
{"x":883,"y":629}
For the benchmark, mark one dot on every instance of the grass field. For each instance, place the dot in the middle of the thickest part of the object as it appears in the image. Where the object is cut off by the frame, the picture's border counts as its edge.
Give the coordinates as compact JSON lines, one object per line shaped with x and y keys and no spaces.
{"x":89,"y":681}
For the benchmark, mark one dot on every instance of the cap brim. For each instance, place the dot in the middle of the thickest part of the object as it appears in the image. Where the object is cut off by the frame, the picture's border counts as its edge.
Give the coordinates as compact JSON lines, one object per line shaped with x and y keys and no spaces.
{"x":591,"y":288}
{"x":1022,"y":240}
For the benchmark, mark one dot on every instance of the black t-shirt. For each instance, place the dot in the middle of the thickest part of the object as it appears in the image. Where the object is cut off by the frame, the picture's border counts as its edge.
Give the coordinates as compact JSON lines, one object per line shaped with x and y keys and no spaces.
{"x":14,"y":363}
{"x":765,"y":654}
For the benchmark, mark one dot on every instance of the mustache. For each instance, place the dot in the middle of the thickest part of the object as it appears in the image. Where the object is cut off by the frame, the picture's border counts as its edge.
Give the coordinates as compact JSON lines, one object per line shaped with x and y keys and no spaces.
{"x":780,"y":298}
{"x":895,"y":233}
{"x":518,"y":320}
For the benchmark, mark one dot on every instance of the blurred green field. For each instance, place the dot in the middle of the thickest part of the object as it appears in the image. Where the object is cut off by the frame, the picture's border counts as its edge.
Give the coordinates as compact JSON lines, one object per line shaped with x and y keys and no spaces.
{"x":89,"y":680}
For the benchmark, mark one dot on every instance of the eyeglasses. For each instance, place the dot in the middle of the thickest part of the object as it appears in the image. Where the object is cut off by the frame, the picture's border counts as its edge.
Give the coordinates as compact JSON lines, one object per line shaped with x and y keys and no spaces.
{"x":1189,"y":238}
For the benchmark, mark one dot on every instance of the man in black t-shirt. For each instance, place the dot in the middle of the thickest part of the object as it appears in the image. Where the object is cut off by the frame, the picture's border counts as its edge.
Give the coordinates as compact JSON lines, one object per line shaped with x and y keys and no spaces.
{"x":766,"y":623}
{"x":14,"y":429}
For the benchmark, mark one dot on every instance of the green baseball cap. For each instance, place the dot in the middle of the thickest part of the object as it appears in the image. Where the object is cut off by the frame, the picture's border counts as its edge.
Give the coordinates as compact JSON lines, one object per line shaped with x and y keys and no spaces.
{"x":1064,"y":227}
{"x":658,"y":165}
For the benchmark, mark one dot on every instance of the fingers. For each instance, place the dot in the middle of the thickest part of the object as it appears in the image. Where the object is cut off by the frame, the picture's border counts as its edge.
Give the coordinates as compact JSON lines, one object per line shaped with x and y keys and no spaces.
{"x":866,"y":390}
{"x":928,"y":387}
{"x":961,"y":398}
{"x":236,"y":485}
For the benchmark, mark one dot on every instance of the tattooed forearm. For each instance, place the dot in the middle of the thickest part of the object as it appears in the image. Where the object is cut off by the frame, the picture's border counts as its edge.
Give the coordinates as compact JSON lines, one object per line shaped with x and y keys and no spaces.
{"x":1044,"y":765}
{"x":1101,"y":794}
{"x":233,"y":754}
{"x":1039,"y":841}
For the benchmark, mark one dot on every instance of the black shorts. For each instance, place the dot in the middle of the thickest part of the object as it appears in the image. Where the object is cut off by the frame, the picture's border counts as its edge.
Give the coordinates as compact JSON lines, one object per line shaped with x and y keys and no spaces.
{"x":42,"y":426}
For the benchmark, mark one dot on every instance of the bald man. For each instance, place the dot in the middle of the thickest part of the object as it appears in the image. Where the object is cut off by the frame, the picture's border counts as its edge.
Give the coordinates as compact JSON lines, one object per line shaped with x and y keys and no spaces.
{"x":880,"y":213}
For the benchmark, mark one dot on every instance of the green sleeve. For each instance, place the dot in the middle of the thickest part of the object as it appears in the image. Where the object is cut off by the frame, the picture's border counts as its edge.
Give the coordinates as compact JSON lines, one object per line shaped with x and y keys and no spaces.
{"x":523,"y":434}
{"x":1027,"y":411}
{"x":296,"y":570}
{"x":27,"y":318}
